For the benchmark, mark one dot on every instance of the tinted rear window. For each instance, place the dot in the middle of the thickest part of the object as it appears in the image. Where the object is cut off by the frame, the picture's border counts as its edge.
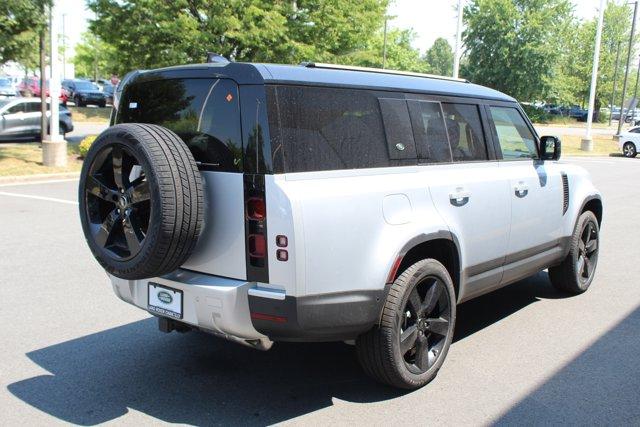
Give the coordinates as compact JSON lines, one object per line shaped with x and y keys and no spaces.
{"x":204,"y":112}
{"x":316,"y":128}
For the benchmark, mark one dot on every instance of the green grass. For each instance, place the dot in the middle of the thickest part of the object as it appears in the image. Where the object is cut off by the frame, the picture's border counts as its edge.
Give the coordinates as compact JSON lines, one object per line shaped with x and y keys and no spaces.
{"x":26,"y":159}
{"x":602,"y":146}
{"x":88,"y":114}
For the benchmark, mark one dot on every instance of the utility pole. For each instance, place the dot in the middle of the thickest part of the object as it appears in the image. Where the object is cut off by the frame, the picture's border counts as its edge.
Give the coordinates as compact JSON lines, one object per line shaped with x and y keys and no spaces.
{"x":43,"y":81}
{"x":626,"y":72}
{"x":54,"y":149}
{"x":456,"y":57}
{"x":615,"y":81}
{"x":64,"y":46}
{"x":384,"y":45}
{"x":587,"y":142}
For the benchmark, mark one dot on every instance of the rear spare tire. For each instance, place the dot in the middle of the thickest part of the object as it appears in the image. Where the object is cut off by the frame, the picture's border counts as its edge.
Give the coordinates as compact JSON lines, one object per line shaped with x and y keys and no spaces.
{"x":141,"y":200}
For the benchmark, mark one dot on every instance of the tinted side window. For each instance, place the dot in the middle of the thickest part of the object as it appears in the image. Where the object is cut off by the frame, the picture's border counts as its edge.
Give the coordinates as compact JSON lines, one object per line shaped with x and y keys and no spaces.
{"x":205,"y":113}
{"x":465,"y":132}
{"x":397,"y":128}
{"x":33,"y":107}
{"x":327,"y":129}
{"x":18,"y":108}
{"x":430,"y":132}
{"x":515,"y":138}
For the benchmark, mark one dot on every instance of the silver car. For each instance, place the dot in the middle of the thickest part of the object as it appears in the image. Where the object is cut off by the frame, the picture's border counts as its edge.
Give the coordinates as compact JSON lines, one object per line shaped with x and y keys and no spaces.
{"x":20,"y":118}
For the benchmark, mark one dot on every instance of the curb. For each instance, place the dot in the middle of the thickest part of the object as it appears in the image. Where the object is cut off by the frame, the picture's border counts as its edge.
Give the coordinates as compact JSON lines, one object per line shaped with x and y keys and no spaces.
{"x":15,"y":179}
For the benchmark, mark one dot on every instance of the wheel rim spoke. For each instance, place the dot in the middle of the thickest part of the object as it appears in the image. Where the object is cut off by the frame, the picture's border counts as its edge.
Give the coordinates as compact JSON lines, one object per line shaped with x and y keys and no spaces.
{"x":591,"y":245}
{"x":139,"y":192}
{"x":587,"y":267}
{"x":98,"y":189}
{"x":408,"y":339}
{"x":131,"y":235}
{"x":439,"y":326}
{"x":423,"y":361}
{"x":106,"y":228}
{"x":414,"y":301}
{"x":116,"y":157}
{"x":431,"y":298}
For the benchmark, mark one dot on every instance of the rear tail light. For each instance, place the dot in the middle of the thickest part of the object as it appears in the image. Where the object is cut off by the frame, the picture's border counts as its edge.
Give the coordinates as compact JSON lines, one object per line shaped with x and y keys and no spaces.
{"x":257,"y":246}
{"x":256,"y":209}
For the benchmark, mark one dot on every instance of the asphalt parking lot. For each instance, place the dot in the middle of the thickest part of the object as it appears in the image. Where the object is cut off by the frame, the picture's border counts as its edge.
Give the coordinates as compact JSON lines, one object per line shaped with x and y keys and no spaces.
{"x":73,"y":353}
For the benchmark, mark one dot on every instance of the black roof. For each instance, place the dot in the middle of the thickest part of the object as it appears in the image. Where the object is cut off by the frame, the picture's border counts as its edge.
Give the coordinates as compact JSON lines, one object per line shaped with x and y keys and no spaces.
{"x":250,"y":73}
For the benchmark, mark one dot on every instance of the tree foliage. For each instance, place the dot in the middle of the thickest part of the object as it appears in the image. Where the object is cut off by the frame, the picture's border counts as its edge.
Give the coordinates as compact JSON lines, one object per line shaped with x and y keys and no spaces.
{"x":94,"y":58}
{"x":20,"y":23}
{"x":152,"y":33}
{"x":439,"y":57}
{"x":516,"y":45}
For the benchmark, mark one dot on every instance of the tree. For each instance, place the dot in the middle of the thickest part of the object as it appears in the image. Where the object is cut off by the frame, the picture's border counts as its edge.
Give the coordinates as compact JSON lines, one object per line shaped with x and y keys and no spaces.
{"x":154,"y":33}
{"x":516,"y":46}
{"x":439,"y":57}
{"x":20,"y":23}
{"x":94,"y":58}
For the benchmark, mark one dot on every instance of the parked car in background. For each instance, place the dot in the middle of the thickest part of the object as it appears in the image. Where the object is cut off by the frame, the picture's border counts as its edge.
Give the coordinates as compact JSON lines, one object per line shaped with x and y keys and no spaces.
{"x":107,"y":90}
{"x":6,"y":88}
{"x":629,"y":142}
{"x":20,"y":118}
{"x":30,"y":86}
{"x":83,"y":93}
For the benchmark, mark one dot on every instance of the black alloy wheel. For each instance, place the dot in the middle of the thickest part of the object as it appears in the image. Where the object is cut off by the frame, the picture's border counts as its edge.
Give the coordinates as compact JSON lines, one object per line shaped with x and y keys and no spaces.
{"x":410,"y":343}
{"x":587,"y":252}
{"x":118,"y":202}
{"x":424,"y":325}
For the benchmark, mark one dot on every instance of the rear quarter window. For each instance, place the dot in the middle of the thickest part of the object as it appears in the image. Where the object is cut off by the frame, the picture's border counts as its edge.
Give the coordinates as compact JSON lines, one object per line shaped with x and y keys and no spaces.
{"x":319,"y":129}
{"x":204,"y":112}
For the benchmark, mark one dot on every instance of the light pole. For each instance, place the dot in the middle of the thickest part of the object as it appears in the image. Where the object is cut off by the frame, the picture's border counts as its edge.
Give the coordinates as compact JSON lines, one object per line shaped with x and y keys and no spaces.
{"x":456,"y":57}
{"x":64,"y":46}
{"x":587,"y":142}
{"x":54,"y":149}
{"x":626,"y":72}
{"x":615,"y":81}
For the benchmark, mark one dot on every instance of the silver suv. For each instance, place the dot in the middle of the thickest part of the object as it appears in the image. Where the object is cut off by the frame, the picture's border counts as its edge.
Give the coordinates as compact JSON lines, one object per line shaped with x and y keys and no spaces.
{"x":267,"y":203}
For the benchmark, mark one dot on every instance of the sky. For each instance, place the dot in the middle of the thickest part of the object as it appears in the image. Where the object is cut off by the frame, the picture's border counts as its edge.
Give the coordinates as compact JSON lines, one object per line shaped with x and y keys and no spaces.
{"x":429,"y":19}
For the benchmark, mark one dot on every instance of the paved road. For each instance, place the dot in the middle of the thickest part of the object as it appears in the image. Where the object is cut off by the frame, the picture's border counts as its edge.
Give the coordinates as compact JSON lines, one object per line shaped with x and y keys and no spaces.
{"x":73,"y":353}
{"x":82,"y":129}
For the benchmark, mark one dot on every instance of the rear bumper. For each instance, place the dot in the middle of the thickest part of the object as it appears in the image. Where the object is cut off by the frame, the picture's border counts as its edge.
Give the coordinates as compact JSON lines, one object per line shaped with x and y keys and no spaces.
{"x":245,"y":312}
{"x":211,"y":303}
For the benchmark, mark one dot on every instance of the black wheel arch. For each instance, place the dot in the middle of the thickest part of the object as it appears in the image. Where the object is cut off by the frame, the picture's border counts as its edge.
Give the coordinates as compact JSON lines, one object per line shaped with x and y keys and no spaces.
{"x":593,"y":203}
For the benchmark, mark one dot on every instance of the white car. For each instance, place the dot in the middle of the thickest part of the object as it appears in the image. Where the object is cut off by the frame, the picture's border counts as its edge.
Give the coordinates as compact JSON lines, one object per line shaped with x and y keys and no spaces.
{"x":629,"y":142}
{"x":266,"y":203}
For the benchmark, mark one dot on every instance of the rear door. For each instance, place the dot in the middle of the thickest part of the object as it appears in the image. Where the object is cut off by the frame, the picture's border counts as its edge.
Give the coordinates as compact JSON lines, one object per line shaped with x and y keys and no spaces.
{"x":32,"y":117}
{"x":535,"y":189}
{"x":205,"y":113}
{"x":466,"y":186}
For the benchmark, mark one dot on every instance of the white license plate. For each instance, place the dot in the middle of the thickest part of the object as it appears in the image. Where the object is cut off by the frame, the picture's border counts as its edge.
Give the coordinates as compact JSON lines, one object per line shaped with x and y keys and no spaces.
{"x":164,"y":300}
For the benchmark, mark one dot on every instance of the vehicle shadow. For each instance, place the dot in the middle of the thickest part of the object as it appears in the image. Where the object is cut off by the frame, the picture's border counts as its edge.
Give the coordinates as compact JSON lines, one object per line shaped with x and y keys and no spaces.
{"x":200,"y":380}
{"x":599,"y":387}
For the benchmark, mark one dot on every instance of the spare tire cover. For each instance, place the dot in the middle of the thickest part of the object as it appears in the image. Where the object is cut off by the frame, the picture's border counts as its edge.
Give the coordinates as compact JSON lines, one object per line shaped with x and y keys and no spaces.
{"x":141,"y":200}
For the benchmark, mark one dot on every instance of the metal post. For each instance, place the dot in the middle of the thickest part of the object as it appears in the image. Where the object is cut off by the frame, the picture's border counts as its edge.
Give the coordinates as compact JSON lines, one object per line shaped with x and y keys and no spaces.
{"x":456,"y":57}
{"x":615,"y":81}
{"x":635,"y":91}
{"x":587,"y":142}
{"x":384,"y":45}
{"x":54,"y":149}
{"x":64,"y":46}
{"x":43,"y":85}
{"x":626,"y":72}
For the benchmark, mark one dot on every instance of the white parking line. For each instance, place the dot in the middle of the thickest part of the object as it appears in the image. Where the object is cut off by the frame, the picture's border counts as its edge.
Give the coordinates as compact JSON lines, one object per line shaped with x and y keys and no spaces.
{"x":53,"y":181}
{"x":48,"y":199}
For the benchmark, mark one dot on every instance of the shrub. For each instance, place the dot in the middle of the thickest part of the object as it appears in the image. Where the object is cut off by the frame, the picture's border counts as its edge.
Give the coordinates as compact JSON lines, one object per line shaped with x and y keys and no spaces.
{"x":85,"y":144}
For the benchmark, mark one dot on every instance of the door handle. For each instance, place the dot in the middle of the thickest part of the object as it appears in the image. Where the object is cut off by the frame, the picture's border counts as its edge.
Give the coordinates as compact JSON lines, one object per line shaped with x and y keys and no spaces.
{"x":521,"y":190}
{"x":460,"y":197}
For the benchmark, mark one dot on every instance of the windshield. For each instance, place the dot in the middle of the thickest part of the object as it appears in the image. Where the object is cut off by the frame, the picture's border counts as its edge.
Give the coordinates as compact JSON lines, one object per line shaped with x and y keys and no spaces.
{"x":5,"y":82}
{"x":3,"y":103}
{"x":85,"y":86}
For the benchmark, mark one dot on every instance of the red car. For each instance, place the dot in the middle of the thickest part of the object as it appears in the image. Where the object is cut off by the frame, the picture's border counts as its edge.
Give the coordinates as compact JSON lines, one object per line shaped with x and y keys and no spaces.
{"x":31,"y":87}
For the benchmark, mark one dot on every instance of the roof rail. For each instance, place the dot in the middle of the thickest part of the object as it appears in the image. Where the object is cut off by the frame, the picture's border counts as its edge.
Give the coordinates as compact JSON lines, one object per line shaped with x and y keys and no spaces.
{"x":379,"y":70}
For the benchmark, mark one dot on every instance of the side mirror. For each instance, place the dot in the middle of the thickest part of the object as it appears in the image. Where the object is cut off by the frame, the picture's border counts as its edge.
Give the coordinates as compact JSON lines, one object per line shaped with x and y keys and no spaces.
{"x":550,"y":148}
